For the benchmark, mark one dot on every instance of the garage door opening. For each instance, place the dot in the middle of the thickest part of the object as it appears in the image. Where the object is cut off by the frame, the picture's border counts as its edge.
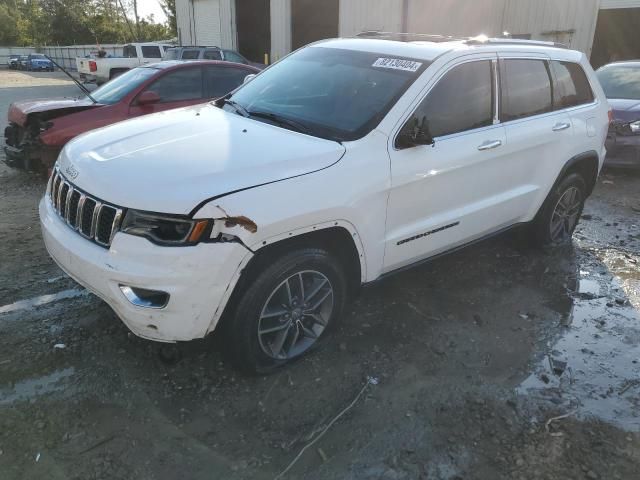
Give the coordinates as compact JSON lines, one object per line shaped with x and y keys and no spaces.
{"x":616,"y":36}
{"x":313,"y":20}
{"x":253,"y":23}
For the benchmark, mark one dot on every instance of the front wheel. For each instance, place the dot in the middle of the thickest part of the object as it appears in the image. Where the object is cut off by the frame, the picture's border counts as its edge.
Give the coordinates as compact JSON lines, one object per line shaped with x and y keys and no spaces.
{"x":559,"y":216}
{"x":287,"y":310}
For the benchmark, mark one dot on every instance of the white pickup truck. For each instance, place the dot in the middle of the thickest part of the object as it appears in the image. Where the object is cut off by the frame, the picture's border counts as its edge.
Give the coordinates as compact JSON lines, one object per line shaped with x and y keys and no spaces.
{"x":102,"y":69}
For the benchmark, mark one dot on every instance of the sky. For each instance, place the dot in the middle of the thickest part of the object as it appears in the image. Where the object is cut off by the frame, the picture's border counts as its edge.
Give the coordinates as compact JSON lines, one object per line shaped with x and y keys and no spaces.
{"x":147,"y":7}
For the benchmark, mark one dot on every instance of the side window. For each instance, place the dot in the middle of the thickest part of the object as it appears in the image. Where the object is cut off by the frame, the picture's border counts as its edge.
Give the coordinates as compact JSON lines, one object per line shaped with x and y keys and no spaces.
{"x":212,"y":55}
{"x":231,"y":56}
{"x":179,"y":85}
{"x":462,"y":100}
{"x":150,"y":51}
{"x":571,"y":86}
{"x":190,"y":54}
{"x":222,"y":80}
{"x":526,"y":89}
{"x":129,"y":51}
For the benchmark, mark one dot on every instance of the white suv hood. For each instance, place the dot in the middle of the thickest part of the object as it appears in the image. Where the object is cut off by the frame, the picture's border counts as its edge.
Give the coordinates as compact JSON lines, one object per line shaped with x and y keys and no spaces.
{"x":172,"y":161}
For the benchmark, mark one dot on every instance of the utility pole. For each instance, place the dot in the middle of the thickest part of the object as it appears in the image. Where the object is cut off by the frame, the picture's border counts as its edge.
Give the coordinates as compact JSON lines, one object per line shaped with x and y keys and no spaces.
{"x":135,"y":14}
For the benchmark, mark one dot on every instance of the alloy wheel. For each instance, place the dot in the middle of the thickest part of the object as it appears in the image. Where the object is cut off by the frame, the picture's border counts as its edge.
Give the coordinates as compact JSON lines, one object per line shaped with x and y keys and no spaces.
{"x":295,"y":314}
{"x":565,"y":216}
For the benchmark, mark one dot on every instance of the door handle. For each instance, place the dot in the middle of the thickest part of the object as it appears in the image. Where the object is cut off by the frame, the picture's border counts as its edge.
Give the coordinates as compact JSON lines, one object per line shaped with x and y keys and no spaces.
{"x":558,"y":127}
{"x":491,"y":144}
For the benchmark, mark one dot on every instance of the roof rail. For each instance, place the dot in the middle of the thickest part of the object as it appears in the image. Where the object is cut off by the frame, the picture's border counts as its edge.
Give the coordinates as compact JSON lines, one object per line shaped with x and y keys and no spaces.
{"x":476,"y":41}
{"x":408,"y":37}
{"x":483,"y":40}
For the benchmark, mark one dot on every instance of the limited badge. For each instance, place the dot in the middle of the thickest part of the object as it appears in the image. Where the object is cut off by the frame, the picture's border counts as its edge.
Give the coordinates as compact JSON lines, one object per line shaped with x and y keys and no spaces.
{"x":397,"y":64}
{"x":71,"y":172}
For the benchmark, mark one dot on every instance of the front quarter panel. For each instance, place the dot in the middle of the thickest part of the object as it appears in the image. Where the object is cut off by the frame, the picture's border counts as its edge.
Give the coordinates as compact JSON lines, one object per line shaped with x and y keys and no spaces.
{"x":351,"y":194}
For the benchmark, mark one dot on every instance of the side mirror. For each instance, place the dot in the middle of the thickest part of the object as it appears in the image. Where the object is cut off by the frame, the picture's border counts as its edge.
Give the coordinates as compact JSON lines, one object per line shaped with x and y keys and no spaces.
{"x":414,"y":133}
{"x":147,"y":98}
{"x":249,"y":77}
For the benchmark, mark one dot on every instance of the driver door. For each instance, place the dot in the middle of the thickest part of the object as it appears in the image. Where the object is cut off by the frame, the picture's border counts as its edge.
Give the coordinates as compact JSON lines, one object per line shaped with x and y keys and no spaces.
{"x":176,"y":88}
{"x":459,"y":188}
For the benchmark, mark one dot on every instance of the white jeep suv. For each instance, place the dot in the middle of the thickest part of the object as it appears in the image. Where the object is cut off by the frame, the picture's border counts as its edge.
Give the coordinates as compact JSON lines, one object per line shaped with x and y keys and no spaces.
{"x":348,"y":160}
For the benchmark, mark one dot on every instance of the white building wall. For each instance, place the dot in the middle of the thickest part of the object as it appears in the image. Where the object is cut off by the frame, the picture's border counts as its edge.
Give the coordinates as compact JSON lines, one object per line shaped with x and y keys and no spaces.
{"x":572,"y":22}
{"x":362,"y":15}
{"x":280,"y":28}
{"x":228,"y":31}
{"x":199,"y":22}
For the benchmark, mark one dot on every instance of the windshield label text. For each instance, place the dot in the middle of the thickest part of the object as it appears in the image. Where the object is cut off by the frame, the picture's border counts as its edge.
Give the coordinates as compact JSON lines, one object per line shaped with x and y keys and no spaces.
{"x":397,"y":64}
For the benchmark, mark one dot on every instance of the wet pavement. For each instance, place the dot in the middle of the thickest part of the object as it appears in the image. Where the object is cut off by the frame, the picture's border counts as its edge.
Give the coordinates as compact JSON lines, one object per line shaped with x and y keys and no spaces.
{"x":496,"y":362}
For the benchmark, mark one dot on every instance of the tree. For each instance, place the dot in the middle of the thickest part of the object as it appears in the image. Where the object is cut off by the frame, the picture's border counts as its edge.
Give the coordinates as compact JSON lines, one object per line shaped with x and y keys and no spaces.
{"x":9,"y":33}
{"x":169,"y":9}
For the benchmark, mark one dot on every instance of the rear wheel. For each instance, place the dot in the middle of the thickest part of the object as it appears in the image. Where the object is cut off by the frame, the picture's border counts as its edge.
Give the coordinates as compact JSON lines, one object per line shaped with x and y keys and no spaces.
{"x":287,"y":311}
{"x":116,"y":72}
{"x":555,"y":223}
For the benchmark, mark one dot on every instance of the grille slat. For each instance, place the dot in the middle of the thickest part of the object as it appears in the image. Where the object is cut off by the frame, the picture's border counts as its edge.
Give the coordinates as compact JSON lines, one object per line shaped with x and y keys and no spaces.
{"x":93,"y":219}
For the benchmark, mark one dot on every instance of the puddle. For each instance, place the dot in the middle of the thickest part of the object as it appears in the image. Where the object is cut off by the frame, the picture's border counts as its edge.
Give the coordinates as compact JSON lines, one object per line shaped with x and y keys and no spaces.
{"x":29,"y":389}
{"x":594,"y":367}
{"x":43,"y":300}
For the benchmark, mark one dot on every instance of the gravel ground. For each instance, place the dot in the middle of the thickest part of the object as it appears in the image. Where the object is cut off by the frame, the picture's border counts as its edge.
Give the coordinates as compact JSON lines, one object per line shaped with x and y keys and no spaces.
{"x":496,"y":362}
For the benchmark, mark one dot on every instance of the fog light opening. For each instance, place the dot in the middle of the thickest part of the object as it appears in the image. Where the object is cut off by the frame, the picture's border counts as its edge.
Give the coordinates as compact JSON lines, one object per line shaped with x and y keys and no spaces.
{"x":141,"y":297}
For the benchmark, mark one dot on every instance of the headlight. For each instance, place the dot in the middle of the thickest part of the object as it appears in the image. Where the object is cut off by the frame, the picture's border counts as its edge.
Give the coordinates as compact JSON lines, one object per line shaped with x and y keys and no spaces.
{"x":165,"y":229}
{"x":635,"y":127}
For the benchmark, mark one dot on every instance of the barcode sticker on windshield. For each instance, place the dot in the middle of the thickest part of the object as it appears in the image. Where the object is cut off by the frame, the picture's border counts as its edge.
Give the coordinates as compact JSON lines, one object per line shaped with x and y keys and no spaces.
{"x":397,"y":64}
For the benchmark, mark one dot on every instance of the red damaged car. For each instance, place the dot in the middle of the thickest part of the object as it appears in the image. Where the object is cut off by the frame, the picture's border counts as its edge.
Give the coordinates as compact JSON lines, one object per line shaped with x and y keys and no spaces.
{"x":39,"y":129}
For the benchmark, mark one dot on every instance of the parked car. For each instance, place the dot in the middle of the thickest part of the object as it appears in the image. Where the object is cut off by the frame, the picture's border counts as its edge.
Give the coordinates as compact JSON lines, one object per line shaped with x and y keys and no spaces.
{"x":38,"y":62}
{"x":23,"y":62}
{"x":13,"y":62}
{"x":208,"y":53}
{"x":38,"y":129}
{"x":343,"y":163}
{"x":103,"y":69}
{"x":621,"y":84}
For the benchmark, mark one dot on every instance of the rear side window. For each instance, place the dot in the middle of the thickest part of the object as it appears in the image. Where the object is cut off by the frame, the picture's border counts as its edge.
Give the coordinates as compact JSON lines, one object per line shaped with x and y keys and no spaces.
{"x":190,"y":54}
{"x":231,"y":56}
{"x":129,"y":51}
{"x":179,"y":85}
{"x":150,"y":51}
{"x":526,"y":88}
{"x":571,"y":87}
{"x":462,"y":100}
{"x":212,"y":55}
{"x":222,"y":80}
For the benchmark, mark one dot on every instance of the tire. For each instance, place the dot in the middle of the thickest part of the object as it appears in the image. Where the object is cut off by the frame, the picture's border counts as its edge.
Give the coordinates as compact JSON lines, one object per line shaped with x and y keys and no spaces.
{"x":560,"y":214}
{"x":116,"y":73}
{"x":261,"y":300}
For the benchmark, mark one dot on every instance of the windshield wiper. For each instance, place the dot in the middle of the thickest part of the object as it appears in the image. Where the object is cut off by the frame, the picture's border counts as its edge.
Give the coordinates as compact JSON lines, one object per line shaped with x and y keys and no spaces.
{"x":283,"y":121}
{"x":235,"y":105}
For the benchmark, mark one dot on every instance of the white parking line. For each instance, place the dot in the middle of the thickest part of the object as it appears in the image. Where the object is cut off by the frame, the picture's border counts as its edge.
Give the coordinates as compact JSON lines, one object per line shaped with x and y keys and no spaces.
{"x":43,"y":299}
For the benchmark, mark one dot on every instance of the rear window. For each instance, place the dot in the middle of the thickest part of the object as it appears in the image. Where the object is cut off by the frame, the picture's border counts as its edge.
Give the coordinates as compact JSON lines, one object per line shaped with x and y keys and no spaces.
{"x":171,"y":54}
{"x":151,"y":52}
{"x":212,"y":55}
{"x":526,"y":89}
{"x":620,"y":81}
{"x":129,"y":51}
{"x":190,"y":54}
{"x":571,"y":86}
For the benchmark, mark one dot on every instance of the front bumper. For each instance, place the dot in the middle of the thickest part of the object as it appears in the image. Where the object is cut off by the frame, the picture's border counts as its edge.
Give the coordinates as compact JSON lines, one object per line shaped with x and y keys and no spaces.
{"x":622,"y":150}
{"x":199,"y":279}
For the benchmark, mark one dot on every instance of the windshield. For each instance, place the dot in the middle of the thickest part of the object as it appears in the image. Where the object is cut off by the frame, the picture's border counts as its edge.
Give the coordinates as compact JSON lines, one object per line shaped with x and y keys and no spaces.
{"x":116,"y":89}
{"x":37,"y":55}
{"x":620,"y":81}
{"x":336,"y":94}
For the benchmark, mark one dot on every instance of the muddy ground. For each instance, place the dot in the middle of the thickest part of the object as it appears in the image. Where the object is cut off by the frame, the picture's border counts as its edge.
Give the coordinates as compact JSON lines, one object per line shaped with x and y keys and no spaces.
{"x":472,"y":357}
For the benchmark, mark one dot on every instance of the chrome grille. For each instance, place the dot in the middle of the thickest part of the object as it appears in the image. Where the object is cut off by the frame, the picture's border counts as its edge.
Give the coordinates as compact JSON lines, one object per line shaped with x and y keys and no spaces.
{"x":92,"y":218}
